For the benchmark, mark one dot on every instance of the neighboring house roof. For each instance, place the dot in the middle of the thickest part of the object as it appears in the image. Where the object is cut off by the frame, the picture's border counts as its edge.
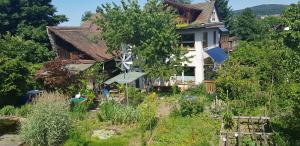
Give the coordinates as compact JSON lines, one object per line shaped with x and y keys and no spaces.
{"x":206,"y":9}
{"x":82,"y":39}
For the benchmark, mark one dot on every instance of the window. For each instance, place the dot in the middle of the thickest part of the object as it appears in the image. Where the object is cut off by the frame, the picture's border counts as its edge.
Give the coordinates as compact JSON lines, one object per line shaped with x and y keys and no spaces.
{"x":204,"y":42}
{"x":215,"y":37}
{"x":188,"y":40}
{"x":189,"y":71}
{"x":213,"y":16}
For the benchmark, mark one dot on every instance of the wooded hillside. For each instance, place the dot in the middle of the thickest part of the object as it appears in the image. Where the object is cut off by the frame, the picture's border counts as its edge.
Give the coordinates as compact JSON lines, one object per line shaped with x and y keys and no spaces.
{"x":266,"y":9}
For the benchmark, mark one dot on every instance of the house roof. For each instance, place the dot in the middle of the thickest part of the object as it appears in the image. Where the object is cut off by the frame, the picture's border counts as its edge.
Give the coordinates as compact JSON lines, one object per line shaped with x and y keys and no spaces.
{"x":206,"y":9}
{"x":82,"y":39}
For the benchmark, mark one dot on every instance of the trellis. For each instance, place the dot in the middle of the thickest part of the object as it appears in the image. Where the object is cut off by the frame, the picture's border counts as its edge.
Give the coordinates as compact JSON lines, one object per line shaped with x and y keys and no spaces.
{"x":257,"y":128}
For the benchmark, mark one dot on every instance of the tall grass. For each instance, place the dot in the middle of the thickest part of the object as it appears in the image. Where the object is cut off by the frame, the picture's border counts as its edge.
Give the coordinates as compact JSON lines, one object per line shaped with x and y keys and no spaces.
{"x":117,"y":113}
{"x":48,"y":123}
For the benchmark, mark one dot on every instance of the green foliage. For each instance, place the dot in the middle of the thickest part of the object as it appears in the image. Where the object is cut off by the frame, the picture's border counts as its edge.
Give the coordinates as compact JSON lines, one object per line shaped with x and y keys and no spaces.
{"x":13,"y":80}
{"x":224,"y":10}
{"x":278,"y":139}
{"x":196,"y":91}
{"x":175,"y":89}
{"x":148,"y":30}
{"x":29,"y":19}
{"x":228,"y":120}
{"x":135,"y":96}
{"x":82,"y":130}
{"x":87,"y":16}
{"x":188,"y":131}
{"x":291,"y":19}
{"x":246,"y":26}
{"x":25,"y":50}
{"x":24,"y":110}
{"x":48,"y":123}
{"x":117,"y":113}
{"x":253,"y":71}
{"x":262,"y":76}
{"x":265,"y":9}
{"x":7,"y":110}
{"x":248,"y":141}
{"x":190,"y":106}
{"x":147,"y":113}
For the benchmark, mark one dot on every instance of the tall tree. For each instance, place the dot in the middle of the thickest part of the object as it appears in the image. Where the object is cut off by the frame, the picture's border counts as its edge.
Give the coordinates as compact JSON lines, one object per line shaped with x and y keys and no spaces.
{"x":86,"y":16}
{"x":151,"y":31}
{"x":245,"y":26}
{"x":224,"y":10}
{"x":291,"y":18}
{"x":13,"y":80}
{"x":25,"y":50}
{"x":28,"y":18}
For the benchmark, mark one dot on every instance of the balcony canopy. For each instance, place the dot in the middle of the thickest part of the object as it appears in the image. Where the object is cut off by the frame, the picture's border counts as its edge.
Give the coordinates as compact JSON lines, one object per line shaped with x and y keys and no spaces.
{"x":217,"y":54}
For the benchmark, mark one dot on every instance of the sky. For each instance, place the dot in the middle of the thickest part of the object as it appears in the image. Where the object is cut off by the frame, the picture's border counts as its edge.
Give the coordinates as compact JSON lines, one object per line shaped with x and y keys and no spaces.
{"x":74,"y":9}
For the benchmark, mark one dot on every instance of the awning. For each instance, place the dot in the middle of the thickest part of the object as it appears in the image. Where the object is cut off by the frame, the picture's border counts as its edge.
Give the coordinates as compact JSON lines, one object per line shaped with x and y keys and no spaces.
{"x":217,"y":54}
{"x":78,"y":67}
{"x":129,"y":77}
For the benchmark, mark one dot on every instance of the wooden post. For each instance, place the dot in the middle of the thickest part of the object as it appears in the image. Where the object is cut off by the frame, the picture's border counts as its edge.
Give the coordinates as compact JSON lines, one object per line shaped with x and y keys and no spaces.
{"x":263,"y":131}
{"x":239,"y":132}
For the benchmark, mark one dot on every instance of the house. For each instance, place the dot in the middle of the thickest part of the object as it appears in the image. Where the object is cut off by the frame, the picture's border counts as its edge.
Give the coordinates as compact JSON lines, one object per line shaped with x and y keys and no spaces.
{"x":77,"y":49}
{"x":198,"y":24}
{"x":202,"y":33}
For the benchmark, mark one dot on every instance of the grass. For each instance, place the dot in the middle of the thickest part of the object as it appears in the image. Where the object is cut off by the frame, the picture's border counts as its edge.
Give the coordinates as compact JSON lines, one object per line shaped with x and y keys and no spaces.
{"x":186,"y":131}
{"x":83,"y":129}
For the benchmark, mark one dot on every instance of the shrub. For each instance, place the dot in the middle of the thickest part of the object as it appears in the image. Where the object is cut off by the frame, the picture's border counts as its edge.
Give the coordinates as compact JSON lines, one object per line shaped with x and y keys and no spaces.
{"x":228,"y":120}
{"x":7,"y":110}
{"x":117,"y":113}
{"x":148,"y":110}
{"x":190,"y":106}
{"x":23,"y":110}
{"x":196,"y":91}
{"x":136,"y":96}
{"x":48,"y":124}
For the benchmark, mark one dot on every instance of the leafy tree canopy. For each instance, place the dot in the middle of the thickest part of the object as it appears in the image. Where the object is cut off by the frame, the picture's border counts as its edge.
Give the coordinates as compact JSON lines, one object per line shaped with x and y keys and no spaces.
{"x":223,"y":9}
{"x":291,"y":18}
{"x":28,"y":18}
{"x":246,"y":26}
{"x":264,"y":73}
{"x":86,"y":16}
{"x":13,"y":77}
{"x":28,"y":51}
{"x":151,"y":32}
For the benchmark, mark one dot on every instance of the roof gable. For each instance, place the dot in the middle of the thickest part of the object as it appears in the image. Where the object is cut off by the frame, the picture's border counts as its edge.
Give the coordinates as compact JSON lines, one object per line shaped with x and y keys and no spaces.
{"x":206,"y":9}
{"x":80,"y":38}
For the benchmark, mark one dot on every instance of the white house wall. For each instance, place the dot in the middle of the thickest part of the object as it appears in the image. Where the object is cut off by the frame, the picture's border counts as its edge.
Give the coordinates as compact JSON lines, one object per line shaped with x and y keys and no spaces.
{"x":199,"y":53}
{"x":214,"y":15}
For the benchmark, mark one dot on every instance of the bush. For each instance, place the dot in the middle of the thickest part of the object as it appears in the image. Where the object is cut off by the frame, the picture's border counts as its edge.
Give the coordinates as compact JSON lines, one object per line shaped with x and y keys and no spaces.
{"x":8,"y":110}
{"x":190,"y":106}
{"x":117,"y":113}
{"x":148,"y":110}
{"x":135,"y":96}
{"x":196,"y":91}
{"x":23,"y":110}
{"x":228,"y":120}
{"x":48,"y":124}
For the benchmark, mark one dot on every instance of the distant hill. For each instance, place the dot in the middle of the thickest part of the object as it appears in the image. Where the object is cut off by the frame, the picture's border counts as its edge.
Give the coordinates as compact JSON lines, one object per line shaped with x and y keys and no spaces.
{"x":265,"y":9}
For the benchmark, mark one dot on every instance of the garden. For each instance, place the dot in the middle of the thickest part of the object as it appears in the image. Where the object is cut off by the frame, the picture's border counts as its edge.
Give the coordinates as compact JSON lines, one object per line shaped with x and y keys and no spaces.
{"x":153,"y":119}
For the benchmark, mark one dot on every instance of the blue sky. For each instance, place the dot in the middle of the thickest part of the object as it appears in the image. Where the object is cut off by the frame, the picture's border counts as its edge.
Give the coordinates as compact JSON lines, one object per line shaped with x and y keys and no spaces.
{"x":74,"y":9}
